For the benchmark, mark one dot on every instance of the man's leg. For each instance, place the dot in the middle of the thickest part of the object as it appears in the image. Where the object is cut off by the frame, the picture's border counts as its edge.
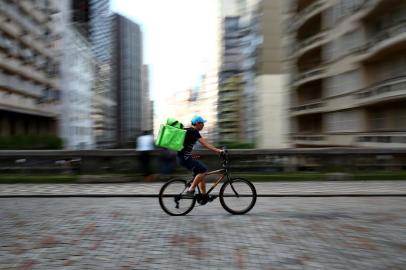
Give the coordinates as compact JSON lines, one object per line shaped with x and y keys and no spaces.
{"x":202,"y":186}
{"x":199,"y":178}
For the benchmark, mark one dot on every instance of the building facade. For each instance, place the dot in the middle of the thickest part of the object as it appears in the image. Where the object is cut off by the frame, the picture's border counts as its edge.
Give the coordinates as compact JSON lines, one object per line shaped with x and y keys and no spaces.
{"x":127,"y":78}
{"x":77,"y":77}
{"x":270,"y":121}
{"x":147,"y":114}
{"x":104,"y":95}
{"x":229,"y":108}
{"x":252,"y":84}
{"x":349,"y":66}
{"x":30,"y":91}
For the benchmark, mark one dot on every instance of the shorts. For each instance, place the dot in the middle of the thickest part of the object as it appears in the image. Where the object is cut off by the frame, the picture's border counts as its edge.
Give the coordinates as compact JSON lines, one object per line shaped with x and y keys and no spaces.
{"x":192,"y":165}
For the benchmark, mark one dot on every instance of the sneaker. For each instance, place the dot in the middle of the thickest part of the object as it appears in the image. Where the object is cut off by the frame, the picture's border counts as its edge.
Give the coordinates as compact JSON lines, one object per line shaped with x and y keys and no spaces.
{"x":189,"y":193}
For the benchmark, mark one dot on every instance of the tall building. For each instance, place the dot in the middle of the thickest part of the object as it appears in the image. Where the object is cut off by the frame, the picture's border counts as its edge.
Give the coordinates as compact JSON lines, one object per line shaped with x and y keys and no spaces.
{"x":349,"y":63}
{"x":230,"y":83}
{"x":265,"y":91}
{"x":77,"y":76}
{"x":252,"y":85}
{"x":127,"y":79}
{"x":30,"y":88}
{"x":103,"y":104}
{"x":200,"y":100}
{"x":147,"y":114}
{"x":205,"y":104}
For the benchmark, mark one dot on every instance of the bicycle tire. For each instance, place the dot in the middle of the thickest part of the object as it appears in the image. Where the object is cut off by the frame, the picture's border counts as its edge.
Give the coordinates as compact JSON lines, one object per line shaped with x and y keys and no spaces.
{"x":170,"y":192}
{"x":229,"y":199}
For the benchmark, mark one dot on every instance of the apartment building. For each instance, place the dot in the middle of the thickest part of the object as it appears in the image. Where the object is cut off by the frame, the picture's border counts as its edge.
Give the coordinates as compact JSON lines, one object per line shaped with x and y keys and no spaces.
{"x":147,"y":114}
{"x":29,"y":68}
{"x":229,"y":108}
{"x":348,"y":60}
{"x":127,"y":76}
{"x":252,"y":84}
{"x":265,"y":91}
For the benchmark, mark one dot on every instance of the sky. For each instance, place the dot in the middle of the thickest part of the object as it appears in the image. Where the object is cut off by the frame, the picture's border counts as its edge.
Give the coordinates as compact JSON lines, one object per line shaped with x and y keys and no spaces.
{"x":179,"y":41}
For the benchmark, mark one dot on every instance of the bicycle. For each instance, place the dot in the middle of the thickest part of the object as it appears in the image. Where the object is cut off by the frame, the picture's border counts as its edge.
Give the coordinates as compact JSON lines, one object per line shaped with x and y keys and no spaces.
{"x":237,"y":195}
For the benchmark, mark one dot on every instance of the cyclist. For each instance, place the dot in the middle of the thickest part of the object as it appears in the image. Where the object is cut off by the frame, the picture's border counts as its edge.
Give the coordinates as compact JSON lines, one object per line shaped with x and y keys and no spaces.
{"x":184,"y":157}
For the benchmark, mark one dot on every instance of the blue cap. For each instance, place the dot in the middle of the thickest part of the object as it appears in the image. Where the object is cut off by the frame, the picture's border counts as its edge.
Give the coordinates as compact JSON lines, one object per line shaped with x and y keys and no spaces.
{"x":198,"y":119}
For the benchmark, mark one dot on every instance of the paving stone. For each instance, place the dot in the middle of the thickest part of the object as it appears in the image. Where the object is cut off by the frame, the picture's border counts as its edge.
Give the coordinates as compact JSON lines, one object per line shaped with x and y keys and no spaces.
{"x":134,"y":233}
{"x":291,"y":187}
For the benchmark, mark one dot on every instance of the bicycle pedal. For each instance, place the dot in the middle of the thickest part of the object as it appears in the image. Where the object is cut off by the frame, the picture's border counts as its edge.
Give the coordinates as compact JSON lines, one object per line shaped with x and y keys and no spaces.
{"x":212,"y":198}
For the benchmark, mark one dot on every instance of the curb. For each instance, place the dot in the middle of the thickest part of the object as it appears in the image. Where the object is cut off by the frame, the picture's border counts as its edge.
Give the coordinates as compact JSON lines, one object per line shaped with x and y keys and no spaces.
{"x":156,"y":195}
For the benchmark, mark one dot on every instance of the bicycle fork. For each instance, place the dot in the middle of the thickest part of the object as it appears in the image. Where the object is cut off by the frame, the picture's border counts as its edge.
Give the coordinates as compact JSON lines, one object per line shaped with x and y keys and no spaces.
{"x":235,"y":192}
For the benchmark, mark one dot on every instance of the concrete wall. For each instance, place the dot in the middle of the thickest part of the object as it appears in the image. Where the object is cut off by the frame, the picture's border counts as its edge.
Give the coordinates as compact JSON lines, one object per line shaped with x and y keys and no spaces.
{"x":257,"y":161}
{"x":272,"y":111}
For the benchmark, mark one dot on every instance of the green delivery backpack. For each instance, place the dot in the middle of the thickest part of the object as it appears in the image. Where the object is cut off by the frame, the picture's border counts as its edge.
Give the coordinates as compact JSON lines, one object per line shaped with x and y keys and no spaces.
{"x":171,"y":135}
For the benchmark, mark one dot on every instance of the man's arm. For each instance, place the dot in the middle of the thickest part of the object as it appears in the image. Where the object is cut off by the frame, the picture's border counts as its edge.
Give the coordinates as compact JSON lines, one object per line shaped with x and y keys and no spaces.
{"x":206,"y":144}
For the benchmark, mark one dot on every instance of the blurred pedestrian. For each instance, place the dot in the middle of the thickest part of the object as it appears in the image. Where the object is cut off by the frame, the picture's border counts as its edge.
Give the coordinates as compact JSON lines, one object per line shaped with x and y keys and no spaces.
{"x":145,"y":145}
{"x":167,"y":162}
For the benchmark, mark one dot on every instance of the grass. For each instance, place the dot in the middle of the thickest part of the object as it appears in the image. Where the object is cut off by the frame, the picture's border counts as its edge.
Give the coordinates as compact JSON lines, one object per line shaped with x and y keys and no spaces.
{"x":288,"y":176}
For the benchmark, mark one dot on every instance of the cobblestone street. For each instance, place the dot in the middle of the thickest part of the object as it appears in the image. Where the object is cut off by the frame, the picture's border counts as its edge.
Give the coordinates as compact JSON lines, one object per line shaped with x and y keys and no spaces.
{"x":134,"y":233}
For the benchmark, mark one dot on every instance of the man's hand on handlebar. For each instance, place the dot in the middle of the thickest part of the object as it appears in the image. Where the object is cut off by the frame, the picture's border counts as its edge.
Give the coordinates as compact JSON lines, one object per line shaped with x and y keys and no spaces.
{"x":223,"y":152}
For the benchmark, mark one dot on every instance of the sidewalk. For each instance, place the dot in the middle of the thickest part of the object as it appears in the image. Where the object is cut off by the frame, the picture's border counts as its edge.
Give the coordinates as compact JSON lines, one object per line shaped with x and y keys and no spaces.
{"x":265,"y":189}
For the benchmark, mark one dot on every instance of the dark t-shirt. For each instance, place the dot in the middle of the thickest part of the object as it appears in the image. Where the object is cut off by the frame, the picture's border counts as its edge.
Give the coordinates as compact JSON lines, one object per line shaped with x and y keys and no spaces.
{"x":191,"y":137}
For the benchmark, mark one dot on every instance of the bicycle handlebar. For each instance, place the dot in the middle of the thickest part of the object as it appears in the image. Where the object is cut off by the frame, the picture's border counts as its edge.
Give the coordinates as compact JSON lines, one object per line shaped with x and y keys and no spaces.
{"x":225,"y":156}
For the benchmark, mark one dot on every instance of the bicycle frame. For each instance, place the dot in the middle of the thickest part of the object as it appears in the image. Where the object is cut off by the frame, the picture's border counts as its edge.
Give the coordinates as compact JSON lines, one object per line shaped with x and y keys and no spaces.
{"x":223,"y":174}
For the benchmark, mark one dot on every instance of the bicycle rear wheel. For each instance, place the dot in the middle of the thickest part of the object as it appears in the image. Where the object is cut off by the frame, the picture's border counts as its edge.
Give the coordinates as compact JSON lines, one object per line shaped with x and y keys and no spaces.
{"x":238,"y":196}
{"x":171,"y":199}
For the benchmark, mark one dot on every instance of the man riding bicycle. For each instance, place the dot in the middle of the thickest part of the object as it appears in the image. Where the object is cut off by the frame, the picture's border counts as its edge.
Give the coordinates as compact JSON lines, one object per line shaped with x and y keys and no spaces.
{"x":184,"y":157}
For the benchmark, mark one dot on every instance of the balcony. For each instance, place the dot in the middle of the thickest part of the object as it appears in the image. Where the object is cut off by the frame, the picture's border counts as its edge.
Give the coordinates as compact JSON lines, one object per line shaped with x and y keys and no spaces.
{"x":32,"y":9}
{"x":307,"y":13}
{"x":382,"y":139}
{"x":230,"y":67}
{"x":308,"y":108}
{"x":228,"y":98}
{"x":30,"y":73}
{"x":36,"y":45}
{"x":309,"y":139}
{"x":392,"y":89}
{"x":309,"y":75}
{"x":28,"y":40}
{"x":224,"y":105}
{"x":229,"y":88}
{"x":390,"y":39}
{"x":309,"y":44}
{"x":19,"y":85}
{"x":15,"y":103}
{"x":228,"y":119}
{"x":225,"y":109}
{"x":371,"y":8}
{"x":12,"y":12}
{"x":229,"y":130}
{"x":10,"y":28}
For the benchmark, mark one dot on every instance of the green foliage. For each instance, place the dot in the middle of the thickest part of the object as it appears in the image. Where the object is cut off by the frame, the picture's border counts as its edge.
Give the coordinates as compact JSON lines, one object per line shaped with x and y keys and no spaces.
{"x":27,"y":142}
{"x":237,"y":145}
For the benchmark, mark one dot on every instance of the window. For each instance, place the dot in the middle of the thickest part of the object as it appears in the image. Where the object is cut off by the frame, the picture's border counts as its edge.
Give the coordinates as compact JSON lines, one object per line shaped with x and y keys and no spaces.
{"x":343,"y":83}
{"x":393,"y":68}
{"x":378,"y":119}
{"x":343,"y":121}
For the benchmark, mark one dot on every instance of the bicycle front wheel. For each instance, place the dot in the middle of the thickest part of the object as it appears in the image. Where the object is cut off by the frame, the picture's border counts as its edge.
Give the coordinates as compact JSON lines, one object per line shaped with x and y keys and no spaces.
{"x":172,"y":200}
{"x":238,"y":196}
